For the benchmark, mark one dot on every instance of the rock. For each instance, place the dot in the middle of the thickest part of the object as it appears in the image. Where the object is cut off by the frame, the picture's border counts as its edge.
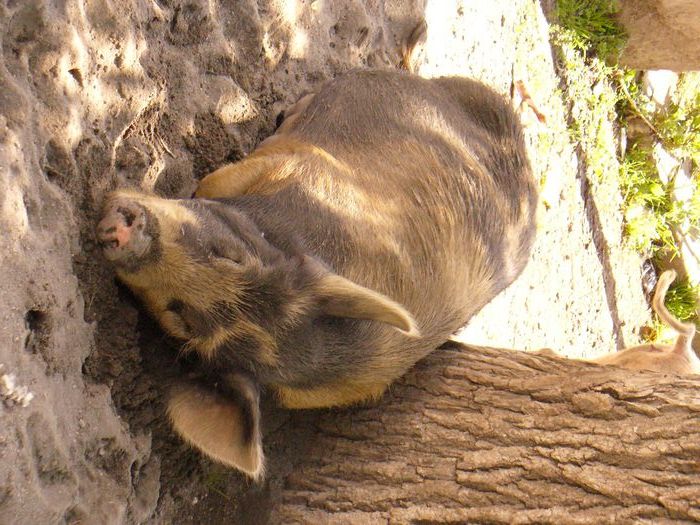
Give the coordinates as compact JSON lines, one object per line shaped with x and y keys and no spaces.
{"x":663,"y":34}
{"x":666,"y":164}
{"x":685,"y":261}
{"x":687,"y":235}
{"x":659,"y":85}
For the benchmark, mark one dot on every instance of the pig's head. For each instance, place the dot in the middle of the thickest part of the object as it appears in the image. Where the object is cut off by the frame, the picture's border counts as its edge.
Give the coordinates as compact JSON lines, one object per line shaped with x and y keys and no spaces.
{"x":213,"y":279}
{"x":206,"y":271}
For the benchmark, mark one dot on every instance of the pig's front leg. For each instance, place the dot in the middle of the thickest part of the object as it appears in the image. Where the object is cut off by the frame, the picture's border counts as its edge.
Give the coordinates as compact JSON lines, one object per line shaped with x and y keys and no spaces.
{"x":236,"y":179}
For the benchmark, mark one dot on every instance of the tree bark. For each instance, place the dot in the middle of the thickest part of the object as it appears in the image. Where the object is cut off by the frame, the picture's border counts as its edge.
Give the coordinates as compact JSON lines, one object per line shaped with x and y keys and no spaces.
{"x":498,"y":436}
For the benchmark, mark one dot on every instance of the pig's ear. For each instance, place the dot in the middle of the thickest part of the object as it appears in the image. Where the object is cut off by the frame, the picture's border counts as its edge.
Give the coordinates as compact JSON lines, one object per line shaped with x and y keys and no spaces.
{"x":223,"y":423}
{"x":341,"y":297}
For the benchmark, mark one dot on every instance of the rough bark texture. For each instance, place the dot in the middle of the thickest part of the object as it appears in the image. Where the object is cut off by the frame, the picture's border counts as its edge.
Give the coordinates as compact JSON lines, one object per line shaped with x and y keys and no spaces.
{"x":663,"y":34}
{"x":495,"y":436}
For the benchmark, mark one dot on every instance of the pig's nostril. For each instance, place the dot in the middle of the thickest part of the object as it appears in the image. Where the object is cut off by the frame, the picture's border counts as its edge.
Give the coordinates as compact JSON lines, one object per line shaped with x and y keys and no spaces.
{"x":129,"y":216}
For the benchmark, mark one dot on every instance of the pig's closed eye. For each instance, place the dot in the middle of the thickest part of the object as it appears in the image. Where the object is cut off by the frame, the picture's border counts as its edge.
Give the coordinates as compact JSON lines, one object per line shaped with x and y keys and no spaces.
{"x":174,"y":321}
{"x":228,"y":252}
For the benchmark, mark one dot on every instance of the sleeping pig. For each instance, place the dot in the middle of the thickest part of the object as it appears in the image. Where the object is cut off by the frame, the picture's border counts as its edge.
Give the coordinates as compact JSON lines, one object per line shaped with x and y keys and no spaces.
{"x":383,"y":214}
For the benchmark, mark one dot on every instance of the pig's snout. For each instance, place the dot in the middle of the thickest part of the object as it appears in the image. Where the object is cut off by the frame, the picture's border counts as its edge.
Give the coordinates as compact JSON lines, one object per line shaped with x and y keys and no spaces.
{"x":122,"y":231}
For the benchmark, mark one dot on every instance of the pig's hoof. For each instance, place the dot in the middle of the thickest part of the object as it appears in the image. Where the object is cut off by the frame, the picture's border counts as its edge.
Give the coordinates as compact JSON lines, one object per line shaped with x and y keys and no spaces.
{"x":122,"y":231}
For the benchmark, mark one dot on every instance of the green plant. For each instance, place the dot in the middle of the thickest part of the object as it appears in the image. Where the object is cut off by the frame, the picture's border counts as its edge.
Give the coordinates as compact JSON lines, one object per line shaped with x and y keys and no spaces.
{"x":631,"y":101}
{"x":681,"y":301}
{"x":593,"y":26}
{"x":679,"y":128}
{"x":629,"y":91}
{"x":639,"y":181}
{"x":646,"y":202}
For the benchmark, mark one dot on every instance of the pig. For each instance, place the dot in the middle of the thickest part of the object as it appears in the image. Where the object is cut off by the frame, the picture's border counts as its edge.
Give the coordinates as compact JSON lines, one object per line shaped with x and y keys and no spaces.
{"x":679,"y":358}
{"x":385,"y":212}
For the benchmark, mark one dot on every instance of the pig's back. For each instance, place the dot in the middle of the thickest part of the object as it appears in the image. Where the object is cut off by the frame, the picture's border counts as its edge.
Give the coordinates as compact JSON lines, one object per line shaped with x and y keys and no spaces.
{"x":435,"y":194}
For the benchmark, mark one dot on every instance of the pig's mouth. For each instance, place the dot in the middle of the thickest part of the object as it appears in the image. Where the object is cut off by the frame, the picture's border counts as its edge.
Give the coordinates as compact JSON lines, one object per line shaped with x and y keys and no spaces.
{"x":122,"y":232}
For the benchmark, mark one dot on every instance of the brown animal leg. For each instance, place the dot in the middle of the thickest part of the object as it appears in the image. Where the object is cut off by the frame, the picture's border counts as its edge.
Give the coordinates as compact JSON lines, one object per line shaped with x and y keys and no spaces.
{"x":235,"y":179}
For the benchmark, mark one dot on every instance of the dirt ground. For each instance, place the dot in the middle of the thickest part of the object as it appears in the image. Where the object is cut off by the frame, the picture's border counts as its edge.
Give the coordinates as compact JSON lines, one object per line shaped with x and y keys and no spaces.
{"x":96,"y":94}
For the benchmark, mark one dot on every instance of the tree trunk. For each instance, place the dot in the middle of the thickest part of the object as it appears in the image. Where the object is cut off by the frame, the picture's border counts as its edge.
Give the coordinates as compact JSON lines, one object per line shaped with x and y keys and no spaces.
{"x":497,"y":436}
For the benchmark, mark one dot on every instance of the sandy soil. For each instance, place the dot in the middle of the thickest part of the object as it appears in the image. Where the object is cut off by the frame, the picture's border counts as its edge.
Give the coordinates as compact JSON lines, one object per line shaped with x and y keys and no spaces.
{"x":96,"y":94}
